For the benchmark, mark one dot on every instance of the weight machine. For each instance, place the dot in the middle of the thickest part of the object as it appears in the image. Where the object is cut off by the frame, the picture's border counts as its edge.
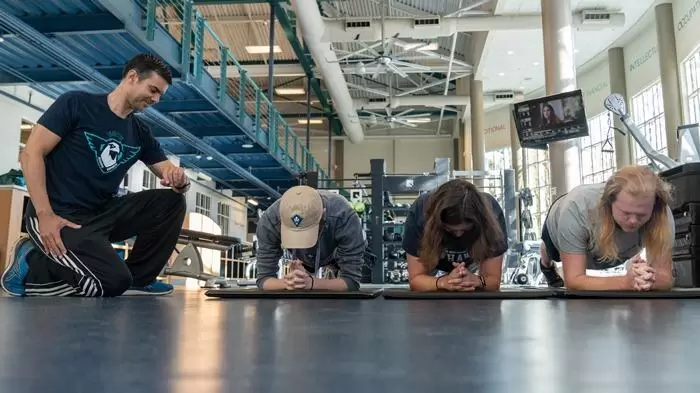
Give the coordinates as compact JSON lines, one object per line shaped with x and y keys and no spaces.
{"x":188,"y":263}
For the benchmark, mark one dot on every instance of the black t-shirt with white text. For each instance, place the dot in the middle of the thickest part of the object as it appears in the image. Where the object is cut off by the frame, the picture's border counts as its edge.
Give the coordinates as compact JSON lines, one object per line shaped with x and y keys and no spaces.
{"x":97,"y":148}
{"x":454,"y":249}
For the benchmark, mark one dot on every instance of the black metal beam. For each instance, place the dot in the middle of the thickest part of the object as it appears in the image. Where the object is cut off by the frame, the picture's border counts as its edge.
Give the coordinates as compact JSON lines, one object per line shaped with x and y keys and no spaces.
{"x":54,"y":74}
{"x":65,"y":24}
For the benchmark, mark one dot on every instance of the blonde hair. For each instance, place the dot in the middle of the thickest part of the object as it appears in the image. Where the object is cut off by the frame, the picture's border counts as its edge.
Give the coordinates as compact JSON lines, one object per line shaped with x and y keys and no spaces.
{"x":637,"y":181}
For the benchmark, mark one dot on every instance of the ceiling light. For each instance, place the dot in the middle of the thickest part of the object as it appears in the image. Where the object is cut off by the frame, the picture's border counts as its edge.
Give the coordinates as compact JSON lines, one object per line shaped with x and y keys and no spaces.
{"x":417,"y":120}
{"x":253,"y":202}
{"x":510,"y":52}
{"x":258,"y":49}
{"x":501,"y":73}
{"x":209,"y":158}
{"x":536,"y":63}
{"x":288,"y":91}
{"x":247,"y":145}
{"x":522,"y":87}
{"x":313,"y":121}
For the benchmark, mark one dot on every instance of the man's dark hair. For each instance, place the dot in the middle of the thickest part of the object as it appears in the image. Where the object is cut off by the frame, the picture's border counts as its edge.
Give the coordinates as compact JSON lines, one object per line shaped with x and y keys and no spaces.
{"x":145,"y":63}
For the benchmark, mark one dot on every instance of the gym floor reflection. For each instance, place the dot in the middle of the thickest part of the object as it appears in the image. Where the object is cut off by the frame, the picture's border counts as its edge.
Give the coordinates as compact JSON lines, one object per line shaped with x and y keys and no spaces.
{"x":188,"y":343}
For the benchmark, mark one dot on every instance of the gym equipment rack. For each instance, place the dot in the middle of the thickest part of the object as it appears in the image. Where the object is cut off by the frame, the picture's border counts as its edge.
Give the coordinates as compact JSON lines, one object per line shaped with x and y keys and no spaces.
{"x":384,"y":186}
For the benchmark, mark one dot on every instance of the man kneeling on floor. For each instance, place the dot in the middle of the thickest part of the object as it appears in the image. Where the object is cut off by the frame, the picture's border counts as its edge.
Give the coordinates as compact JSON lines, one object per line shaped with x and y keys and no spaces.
{"x":318,"y":229}
{"x":601,"y":226}
{"x":74,"y":161}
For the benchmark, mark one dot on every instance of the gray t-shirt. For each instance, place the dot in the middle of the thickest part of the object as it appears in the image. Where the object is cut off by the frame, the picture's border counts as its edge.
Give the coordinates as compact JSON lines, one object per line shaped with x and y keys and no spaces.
{"x":572,"y":225}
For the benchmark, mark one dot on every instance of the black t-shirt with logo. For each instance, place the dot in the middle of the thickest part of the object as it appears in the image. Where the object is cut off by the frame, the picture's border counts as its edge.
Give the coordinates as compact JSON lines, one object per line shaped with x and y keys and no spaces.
{"x":96,"y":150}
{"x":454,"y":249}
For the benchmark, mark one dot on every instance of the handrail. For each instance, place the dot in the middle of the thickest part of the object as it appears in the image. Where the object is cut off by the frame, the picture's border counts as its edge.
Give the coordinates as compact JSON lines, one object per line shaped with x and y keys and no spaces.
{"x":207,"y":50}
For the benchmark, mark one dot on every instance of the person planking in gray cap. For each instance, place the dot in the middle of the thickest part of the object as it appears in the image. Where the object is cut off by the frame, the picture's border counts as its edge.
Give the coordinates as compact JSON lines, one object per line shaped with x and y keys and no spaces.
{"x":315,"y":229}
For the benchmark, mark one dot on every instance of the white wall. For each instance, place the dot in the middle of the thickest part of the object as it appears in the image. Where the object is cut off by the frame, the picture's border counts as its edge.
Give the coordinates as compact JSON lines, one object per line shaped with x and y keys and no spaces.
{"x":641,"y":61}
{"x":686,"y":16}
{"x":595,"y":87}
{"x":497,"y":129}
{"x":404,"y":155}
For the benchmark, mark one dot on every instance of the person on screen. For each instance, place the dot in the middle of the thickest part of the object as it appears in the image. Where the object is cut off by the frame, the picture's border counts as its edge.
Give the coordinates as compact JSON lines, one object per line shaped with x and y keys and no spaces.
{"x":549,"y":117}
{"x":458,"y":230}
{"x":317,"y":229}
{"x":601,"y":226}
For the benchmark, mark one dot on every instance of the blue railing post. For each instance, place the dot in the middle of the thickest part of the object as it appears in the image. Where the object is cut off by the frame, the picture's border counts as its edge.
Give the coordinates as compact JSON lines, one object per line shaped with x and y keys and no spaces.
{"x":287,"y":131}
{"x":271,"y":129}
{"x":186,"y":38}
{"x":296,"y":141}
{"x":150,"y":19}
{"x":223,"y":77}
{"x":257,"y":115}
{"x":199,"y":47}
{"x":241,"y":93}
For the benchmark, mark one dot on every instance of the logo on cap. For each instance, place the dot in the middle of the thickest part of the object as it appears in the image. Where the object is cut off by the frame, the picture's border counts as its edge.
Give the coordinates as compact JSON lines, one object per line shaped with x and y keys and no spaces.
{"x":296,"y":220}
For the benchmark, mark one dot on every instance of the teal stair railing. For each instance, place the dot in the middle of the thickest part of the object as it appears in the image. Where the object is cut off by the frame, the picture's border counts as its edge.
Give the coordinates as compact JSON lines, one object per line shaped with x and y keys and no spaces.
{"x":206,"y":53}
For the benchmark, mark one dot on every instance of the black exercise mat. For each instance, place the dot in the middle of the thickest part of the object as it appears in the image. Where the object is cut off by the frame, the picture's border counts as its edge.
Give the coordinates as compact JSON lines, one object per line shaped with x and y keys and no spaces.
{"x":239,"y":293}
{"x":674,"y":293}
{"x":505,"y":293}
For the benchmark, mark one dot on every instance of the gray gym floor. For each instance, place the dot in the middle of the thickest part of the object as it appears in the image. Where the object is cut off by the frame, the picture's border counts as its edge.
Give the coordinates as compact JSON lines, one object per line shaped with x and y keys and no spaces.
{"x":189,"y":343}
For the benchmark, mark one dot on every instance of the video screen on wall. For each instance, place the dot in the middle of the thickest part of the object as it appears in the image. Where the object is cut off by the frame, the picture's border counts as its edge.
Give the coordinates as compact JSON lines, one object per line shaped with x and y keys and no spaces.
{"x":550,"y":119}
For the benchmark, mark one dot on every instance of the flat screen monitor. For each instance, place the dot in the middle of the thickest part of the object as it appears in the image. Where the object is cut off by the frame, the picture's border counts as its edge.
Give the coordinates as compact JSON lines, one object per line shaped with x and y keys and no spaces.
{"x":550,"y":119}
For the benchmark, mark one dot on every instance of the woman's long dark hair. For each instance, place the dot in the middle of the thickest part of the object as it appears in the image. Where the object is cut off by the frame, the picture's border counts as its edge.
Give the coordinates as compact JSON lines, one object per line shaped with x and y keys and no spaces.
{"x":454,"y":203}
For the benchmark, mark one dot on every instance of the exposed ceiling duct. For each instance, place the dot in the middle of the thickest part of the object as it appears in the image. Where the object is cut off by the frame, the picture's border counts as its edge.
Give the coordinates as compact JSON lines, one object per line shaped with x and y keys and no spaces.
{"x":436,"y":101}
{"x":370,"y":29}
{"x":311,"y":23}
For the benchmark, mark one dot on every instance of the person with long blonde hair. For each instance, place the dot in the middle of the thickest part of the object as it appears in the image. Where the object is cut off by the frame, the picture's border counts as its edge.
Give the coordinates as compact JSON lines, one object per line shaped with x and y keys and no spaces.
{"x":459,"y":231}
{"x":601,"y":226}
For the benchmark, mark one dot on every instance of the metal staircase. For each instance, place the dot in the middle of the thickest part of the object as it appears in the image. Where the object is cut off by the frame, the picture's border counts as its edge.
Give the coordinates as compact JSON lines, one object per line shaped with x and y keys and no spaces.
{"x":224,"y":127}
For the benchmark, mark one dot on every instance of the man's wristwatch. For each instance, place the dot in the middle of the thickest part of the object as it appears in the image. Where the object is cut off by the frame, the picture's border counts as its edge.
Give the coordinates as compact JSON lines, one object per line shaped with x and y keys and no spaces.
{"x":185,"y":187}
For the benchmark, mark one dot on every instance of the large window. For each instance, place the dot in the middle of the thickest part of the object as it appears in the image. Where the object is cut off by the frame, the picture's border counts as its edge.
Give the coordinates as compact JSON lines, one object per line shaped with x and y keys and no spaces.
{"x":691,"y":73}
{"x":149,"y":180}
{"x":648,"y":114}
{"x":598,"y":150}
{"x":497,"y":161}
{"x":538,"y":181}
{"x":223,"y":217}
{"x":202,"y":204}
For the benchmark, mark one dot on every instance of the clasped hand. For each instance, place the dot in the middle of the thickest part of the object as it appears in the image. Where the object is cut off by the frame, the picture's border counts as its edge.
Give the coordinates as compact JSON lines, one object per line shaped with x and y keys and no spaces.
{"x":175,"y":178}
{"x":297,"y":277}
{"x":459,"y":279}
{"x":641,"y":274}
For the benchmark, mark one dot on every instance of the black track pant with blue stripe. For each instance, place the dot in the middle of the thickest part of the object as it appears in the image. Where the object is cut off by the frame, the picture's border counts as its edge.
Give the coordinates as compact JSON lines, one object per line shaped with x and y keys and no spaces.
{"x":92,"y":267}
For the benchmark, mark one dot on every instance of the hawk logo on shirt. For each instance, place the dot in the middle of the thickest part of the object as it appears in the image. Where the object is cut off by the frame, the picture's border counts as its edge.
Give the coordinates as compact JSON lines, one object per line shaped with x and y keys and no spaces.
{"x":110,"y":152}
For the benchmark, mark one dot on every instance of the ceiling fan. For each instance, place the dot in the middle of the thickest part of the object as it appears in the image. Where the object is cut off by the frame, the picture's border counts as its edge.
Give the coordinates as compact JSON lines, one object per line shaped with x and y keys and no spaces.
{"x":393,"y":120}
{"x":384,"y":60}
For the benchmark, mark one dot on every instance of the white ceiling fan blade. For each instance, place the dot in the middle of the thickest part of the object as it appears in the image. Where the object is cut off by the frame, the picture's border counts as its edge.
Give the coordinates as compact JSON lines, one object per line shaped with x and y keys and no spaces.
{"x":402,"y":114}
{"x":397,"y":70}
{"x":412,"y":65}
{"x":415,"y":115}
{"x":405,"y":123}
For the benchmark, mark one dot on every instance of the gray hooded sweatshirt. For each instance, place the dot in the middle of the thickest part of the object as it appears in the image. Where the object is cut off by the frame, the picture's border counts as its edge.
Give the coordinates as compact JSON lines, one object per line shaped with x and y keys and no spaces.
{"x":341,"y":243}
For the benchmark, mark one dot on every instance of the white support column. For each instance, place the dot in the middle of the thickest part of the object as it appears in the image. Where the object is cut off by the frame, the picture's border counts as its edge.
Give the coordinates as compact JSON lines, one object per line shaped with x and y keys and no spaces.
{"x":560,"y":77}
